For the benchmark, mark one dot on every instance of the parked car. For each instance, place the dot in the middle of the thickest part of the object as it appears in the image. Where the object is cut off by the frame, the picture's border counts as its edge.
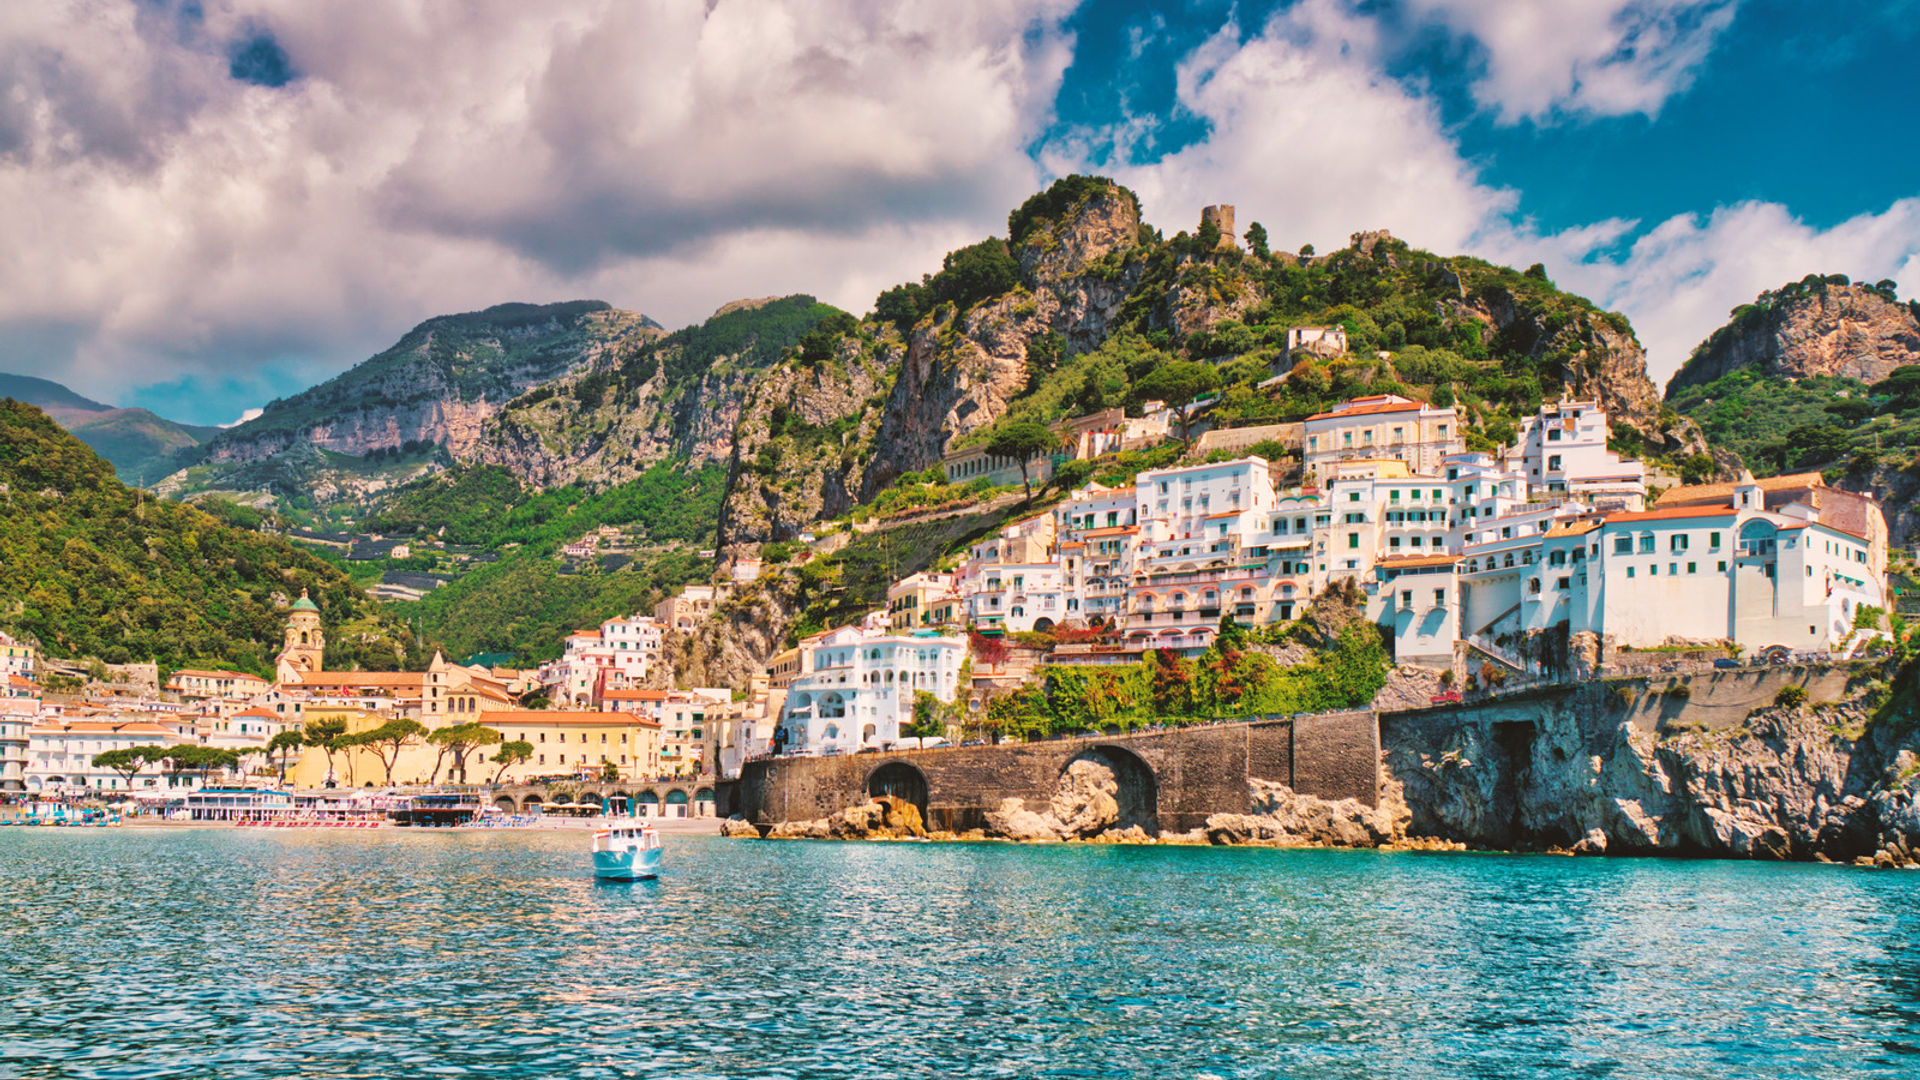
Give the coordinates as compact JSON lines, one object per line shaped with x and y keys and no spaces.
{"x":1447,"y":698}
{"x":1725,"y":664}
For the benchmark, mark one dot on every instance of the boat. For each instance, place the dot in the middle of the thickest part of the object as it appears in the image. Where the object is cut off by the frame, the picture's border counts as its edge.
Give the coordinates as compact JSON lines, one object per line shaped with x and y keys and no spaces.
{"x":626,"y":853}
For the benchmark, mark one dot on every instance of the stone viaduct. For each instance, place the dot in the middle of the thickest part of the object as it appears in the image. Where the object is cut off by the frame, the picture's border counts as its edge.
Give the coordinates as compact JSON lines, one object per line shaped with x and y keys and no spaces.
{"x":692,"y":797}
{"x":1170,"y":780}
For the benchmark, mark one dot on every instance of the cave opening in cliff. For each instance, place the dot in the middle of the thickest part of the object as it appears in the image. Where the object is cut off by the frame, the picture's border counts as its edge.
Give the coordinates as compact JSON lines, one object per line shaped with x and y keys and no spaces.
{"x":1515,"y":739}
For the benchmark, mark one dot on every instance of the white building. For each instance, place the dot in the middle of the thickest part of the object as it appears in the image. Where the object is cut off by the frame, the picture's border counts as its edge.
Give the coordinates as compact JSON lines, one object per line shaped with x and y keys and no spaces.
{"x":1735,"y":572}
{"x":859,"y":688}
{"x":17,"y":716}
{"x":1417,"y":598}
{"x":1562,"y":451}
{"x":60,"y":754}
{"x":691,"y":607}
{"x":616,"y":656}
{"x":1325,"y":341}
{"x":1381,"y":426}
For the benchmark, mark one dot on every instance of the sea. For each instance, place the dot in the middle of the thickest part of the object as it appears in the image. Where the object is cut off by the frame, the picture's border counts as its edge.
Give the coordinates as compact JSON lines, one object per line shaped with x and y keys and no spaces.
{"x":399,"y":953}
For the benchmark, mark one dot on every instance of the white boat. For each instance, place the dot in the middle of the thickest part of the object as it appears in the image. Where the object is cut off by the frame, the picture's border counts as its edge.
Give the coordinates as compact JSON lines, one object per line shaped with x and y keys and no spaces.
{"x":626,"y":853}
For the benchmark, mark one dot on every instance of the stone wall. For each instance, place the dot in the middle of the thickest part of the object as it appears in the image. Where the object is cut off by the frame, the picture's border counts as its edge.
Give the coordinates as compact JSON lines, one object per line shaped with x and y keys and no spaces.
{"x":1187,"y":774}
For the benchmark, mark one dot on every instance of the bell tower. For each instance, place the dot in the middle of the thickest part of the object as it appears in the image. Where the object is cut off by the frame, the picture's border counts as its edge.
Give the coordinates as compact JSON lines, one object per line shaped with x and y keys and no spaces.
{"x":306,"y":642}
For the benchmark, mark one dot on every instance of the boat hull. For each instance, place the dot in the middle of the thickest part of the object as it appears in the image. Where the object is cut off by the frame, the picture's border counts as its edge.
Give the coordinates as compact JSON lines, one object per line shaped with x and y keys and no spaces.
{"x":633,"y":864}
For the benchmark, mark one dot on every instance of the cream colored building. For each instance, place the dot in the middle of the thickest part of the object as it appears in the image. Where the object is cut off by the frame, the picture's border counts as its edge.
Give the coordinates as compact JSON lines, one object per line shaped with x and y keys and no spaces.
{"x":564,"y":744}
{"x":1382,"y":426}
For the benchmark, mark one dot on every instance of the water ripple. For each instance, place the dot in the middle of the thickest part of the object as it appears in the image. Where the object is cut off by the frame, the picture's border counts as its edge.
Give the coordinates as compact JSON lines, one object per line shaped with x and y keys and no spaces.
{"x":156,"y":953}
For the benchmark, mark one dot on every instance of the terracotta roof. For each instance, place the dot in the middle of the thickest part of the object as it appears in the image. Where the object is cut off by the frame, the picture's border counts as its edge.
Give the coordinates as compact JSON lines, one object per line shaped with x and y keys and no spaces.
{"x":100,"y":727}
{"x":1577,"y":528}
{"x":257,"y":711}
{"x":1671,"y":512}
{"x":1396,"y":562}
{"x":1115,"y":530}
{"x":1694,"y":494}
{"x":636,"y":695}
{"x":21,"y":682}
{"x":363,"y":678}
{"x":1369,"y":410}
{"x":562,"y":716}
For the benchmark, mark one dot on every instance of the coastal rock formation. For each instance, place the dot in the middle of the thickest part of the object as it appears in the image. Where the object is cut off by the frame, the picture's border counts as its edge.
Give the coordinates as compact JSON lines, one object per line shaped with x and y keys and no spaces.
{"x":738,"y":828}
{"x":884,"y":818}
{"x":1084,"y":805}
{"x":1600,"y":769}
{"x":1810,"y":328}
{"x":1283,"y":817}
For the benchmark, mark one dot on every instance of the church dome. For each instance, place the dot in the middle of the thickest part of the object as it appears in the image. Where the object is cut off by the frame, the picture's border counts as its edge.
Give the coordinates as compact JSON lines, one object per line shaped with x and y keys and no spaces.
{"x":304,"y":604}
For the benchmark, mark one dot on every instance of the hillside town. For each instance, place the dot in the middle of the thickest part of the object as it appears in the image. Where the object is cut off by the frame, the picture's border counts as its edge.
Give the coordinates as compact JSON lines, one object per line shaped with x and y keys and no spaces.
{"x":1549,"y":558}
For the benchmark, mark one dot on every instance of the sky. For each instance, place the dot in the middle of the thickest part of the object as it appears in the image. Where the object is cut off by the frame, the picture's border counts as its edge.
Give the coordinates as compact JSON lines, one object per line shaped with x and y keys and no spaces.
{"x":207,"y":204}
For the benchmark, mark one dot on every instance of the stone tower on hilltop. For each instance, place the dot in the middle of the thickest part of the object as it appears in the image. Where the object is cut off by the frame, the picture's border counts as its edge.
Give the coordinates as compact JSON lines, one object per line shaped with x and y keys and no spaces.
{"x":306,"y":641}
{"x":1220,"y":217}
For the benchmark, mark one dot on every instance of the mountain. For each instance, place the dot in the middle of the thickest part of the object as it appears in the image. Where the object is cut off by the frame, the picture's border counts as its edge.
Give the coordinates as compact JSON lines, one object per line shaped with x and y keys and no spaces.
{"x":1084,"y":303}
{"x":1817,"y":375}
{"x":1819,"y":325}
{"x":674,"y":398}
{"x":435,"y":388}
{"x":92,"y":567}
{"x":142,"y":446}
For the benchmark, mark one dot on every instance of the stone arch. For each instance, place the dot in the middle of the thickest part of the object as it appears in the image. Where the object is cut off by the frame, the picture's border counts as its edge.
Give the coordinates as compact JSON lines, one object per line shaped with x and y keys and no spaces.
{"x":591,"y":797}
{"x":1043,"y":624}
{"x":506,"y":805}
{"x":1138,"y":791}
{"x":703,"y":802}
{"x":677,"y":803}
{"x":649,"y":803}
{"x":902,"y":781}
{"x":531,"y":804}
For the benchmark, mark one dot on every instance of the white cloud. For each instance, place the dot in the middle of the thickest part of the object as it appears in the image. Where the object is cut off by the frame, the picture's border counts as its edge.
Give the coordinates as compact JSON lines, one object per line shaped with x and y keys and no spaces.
{"x":1583,"y":57}
{"x":162,"y":218}
{"x":1312,"y":139}
{"x":250,"y":414}
{"x":1679,"y":280}
{"x":1308,"y":136}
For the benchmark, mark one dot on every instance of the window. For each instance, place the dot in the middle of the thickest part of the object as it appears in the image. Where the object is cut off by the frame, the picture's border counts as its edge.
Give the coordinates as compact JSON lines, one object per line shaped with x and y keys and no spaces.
{"x":1553,"y":463}
{"x":1692,"y":568}
{"x":1646,"y":543}
{"x":1629,"y":571}
{"x":1353,"y":540}
{"x":1406,"y":598}
{"x":1713,"y":541}
{"x":1353,"y":496}
{"x":1721,"y":566}
{"x":1677,"y":542}
{"x":1623,"y":545}
{"x":1440,"y":596}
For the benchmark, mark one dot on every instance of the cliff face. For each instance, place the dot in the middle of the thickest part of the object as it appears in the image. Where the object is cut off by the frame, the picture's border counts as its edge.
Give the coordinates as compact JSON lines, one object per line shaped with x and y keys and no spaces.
{"x":440,"y":383}
{"x":1825,"y":329}
{"x":1591,"y":356}
{"x":805,"y":441}
{"x":675,"y":398}
{"x":1600,"y":772}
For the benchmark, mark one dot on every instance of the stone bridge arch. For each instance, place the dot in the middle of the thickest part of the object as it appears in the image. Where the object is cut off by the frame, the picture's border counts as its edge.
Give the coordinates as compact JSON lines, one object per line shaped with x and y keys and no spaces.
{"x":902,"y":781}
{"x":1137,"y":788}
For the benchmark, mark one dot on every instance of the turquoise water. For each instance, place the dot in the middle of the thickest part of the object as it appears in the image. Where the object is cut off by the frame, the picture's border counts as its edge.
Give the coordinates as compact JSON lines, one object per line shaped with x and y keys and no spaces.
{"x":147,"y":953}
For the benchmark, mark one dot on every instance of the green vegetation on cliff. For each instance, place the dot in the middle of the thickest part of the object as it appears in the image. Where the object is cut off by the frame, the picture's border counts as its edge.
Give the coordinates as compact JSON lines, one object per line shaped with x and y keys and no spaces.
{"x":1816,"y":423}
{"x":527,"y":602}
{"x":89,"y":566}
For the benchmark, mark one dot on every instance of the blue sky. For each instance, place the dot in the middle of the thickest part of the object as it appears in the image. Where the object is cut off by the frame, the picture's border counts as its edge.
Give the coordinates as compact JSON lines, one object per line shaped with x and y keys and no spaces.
{"x":211,"y":203}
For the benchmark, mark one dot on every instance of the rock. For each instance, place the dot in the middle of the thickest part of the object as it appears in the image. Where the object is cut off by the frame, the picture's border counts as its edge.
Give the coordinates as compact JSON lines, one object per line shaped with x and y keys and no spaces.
{"x":1594,"y":843}
{"x":816,"y":829}
{"x":1133,"y":834}
{"x":740,"y":828}
{"x":1013,"y":821}
{"x":1345,"y":823}
{"x":1236,"y":829}
{"x":1846,"y":330}
{"x":1084,"y":804}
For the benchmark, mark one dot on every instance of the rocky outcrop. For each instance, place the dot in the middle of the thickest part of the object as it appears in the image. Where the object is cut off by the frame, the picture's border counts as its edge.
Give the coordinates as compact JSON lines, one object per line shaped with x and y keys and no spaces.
{"x":738,"y":828}
{"x":1282,"y":817}
{"x":735,"y":643}
{"x":1824,"y":329}
{"x":1576,"y":771}
{"x":440,"y":383}
{"x":885,"y":818}
{"x":1083,"y":806}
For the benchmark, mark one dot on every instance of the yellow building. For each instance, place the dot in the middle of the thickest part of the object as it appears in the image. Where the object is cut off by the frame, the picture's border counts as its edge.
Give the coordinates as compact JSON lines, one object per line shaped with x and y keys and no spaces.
{"x":570,"y":743}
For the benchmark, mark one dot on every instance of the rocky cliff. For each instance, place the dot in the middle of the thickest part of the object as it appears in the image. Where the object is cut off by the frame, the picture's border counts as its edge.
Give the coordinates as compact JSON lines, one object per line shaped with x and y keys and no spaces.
{"x":1817,"y":326}
{"x":675,"y":398}
{"x":440,"y":382}
{"x":1623,"y":768}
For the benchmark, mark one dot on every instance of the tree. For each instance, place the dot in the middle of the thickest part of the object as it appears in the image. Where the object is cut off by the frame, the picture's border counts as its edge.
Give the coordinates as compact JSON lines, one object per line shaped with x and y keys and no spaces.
{"x":326,"y":734}
{"x":283,"y":744}
{"x":1256,"y":236}
{"x":1538,"y":271}
{"x":974,"y":273}
{"x":1022,"y":440}
{"x":1207,"y":237}
{"x":456,"y":742}
{"x":127,"y":761}
{"x":1696,"y":469}
{"x":1306,"y":251}
{"x":390,"y":738}
{"x":511,"y":754}
{"x":1177,"y":383}
{"x":930,"y":717}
